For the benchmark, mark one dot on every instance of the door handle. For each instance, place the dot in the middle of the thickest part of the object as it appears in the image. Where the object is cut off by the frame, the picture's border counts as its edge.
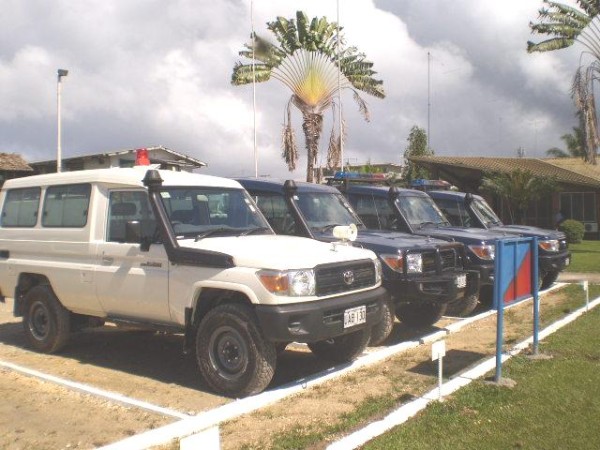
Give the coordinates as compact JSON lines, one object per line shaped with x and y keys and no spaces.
{"x":107,"y":260}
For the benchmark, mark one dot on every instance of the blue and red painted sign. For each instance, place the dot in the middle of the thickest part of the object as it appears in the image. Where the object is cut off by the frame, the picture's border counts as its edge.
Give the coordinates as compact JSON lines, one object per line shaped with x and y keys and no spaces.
{"x":515,"y":270}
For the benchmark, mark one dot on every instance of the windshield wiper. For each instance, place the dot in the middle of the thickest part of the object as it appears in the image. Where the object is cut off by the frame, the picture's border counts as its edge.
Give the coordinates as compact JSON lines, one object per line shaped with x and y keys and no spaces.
{"x":254,"y":230}
{"x":422,"y":224}
{"x":328,"y":227}
{"x":207,"y":233}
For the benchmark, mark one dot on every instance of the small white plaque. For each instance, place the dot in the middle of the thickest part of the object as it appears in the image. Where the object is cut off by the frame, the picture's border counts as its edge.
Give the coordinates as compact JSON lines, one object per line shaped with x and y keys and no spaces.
{"x":438,"y":350}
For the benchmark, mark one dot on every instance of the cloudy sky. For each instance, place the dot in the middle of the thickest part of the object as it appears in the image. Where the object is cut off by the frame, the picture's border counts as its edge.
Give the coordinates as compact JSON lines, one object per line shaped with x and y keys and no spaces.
{"x":149,"y":72}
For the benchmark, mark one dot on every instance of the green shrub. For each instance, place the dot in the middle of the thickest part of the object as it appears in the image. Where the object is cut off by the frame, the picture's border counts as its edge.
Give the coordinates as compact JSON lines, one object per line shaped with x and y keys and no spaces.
{"x":573,"y":229}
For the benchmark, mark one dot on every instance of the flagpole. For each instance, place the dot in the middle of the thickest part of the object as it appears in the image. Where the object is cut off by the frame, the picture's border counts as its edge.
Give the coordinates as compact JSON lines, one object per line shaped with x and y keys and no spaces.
{"x":339,"y":89}
{"x":253,"y":89}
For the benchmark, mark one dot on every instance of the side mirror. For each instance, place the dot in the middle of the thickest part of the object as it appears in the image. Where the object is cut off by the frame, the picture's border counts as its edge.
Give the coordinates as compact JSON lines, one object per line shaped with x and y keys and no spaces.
{"x":133,"y":234}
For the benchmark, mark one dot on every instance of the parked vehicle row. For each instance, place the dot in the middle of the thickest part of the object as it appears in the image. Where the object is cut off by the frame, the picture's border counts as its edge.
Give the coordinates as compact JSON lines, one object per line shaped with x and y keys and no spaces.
{"x":181,"y":253}
{"x":198,"y":255}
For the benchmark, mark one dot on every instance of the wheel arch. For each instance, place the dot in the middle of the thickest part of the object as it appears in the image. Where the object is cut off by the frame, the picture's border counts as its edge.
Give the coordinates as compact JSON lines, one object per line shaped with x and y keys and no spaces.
{"x":25,"y":282}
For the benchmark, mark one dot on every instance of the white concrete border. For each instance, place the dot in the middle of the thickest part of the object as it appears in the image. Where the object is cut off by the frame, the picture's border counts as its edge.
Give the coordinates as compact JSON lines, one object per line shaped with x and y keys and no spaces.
{"x":86,"y":389}
{"x":408,"y":410}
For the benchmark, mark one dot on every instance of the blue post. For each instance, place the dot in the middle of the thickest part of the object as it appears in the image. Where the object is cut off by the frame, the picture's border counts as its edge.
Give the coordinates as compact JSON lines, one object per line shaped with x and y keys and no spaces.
{"x":499,"y":303}
{"x":536,"y":298}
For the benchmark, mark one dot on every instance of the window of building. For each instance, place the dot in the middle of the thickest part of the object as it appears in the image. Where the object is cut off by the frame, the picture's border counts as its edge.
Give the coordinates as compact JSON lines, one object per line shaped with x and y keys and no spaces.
{"x":579,"y":206}
{"x":21,"y":207}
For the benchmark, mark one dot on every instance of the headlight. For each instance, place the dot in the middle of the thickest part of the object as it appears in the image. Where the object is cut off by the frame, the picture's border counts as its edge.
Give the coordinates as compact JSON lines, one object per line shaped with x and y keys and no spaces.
{"x":551,"y":245}
{"x":295,"y":283}
{"x":487,"y":252}
{"x":413,"y":262}
{"x":377,"y":270}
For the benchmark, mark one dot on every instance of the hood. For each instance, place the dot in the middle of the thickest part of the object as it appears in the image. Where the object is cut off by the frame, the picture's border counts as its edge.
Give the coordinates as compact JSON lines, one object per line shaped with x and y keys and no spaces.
{"x":529,"y":231}
{"x":278,"y":252}
{"x":382,"y":241}
{"x":464,"y":235}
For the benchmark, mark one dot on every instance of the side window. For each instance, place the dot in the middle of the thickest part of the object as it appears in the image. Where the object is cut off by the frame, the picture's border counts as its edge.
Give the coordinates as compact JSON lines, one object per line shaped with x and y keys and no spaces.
{"x":365,"y":208}
{"x":126,"y":206}
{"x":21,"y":207}
{"x":66,"y":206}
{"x":387,"y":218}
{"x":275,"y":210}
{"x":454,"y":212}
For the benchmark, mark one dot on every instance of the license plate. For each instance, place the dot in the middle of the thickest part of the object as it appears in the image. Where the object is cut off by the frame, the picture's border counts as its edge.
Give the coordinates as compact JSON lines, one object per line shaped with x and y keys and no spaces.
{"x":461,"y":281}
{"x":355,"y":316}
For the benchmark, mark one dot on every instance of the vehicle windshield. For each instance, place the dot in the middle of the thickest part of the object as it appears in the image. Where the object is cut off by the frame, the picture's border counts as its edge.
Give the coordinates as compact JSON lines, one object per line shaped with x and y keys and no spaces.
{"x":208,"y":211}
{"x":421,"y":212}
{"x":485,"y":213}
{"x":323,"y":211}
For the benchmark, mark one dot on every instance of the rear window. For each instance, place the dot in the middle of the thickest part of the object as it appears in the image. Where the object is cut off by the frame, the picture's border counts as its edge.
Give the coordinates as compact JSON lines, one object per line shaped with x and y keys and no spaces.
{"x":21,"y":207}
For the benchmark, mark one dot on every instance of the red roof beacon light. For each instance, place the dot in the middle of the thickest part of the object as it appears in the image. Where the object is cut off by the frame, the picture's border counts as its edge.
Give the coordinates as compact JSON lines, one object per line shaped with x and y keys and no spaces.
{"x":141,"y":157}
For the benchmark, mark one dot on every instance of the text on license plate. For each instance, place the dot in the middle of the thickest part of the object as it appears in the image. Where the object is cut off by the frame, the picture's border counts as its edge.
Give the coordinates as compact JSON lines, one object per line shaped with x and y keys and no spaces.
{"x":355,"y":316}
{"x":461,"y":281}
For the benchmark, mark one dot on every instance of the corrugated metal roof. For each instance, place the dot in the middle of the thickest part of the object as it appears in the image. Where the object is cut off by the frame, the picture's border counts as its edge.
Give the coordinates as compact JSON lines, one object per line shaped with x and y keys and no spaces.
{"x":563,"y":170}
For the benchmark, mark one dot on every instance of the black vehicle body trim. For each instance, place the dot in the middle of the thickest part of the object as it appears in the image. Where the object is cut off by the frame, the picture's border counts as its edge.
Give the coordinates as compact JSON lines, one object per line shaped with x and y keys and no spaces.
{"x":316,"y":321}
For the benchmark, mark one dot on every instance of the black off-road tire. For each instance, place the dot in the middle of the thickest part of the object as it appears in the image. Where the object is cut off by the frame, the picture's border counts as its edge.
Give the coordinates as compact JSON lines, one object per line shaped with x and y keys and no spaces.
{"x":462,"y":307}
{"x":420,"y":314}
{"x":380,"y":331}
{"x":549,"y":279}
{"x":46,"y":322}
{"x":342,"y":348}
{"x":232,"y":354}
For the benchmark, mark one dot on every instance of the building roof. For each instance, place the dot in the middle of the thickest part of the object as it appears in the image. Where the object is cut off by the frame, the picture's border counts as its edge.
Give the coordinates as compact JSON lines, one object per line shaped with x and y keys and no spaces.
{"x":13,"y":162}
{"x":571,"y":171}
{"x":179,"y":159}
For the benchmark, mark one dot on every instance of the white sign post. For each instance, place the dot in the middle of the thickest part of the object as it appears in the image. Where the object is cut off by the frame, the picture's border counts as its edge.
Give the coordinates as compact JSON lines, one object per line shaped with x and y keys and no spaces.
{"x":587,"y":294}
{"x":438,"y":351}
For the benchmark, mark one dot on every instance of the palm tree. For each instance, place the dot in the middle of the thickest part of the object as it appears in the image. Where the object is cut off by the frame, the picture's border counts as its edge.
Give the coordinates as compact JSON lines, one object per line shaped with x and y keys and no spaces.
{"x":517,"y":188}
{"x":306,"y":60}
{"x":566,"y":25}
{"x":575,"y":143}
{"x":562,"y":23}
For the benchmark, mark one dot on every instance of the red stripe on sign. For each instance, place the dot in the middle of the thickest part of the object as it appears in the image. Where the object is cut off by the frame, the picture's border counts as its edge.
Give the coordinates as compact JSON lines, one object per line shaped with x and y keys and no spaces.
{"x":520,"y":286}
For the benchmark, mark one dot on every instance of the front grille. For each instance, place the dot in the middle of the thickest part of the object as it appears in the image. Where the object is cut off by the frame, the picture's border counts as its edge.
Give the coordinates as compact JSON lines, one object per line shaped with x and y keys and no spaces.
{"x":331,"y":279}
{"x":440,"y":260}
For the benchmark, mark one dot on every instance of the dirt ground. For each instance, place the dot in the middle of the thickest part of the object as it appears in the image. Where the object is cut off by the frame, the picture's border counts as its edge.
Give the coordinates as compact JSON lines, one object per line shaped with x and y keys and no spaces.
{"x":152,"y":368}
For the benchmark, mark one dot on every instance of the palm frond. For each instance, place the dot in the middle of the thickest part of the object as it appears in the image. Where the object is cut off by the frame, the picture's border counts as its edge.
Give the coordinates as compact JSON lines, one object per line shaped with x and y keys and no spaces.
{"x":312,"y":77}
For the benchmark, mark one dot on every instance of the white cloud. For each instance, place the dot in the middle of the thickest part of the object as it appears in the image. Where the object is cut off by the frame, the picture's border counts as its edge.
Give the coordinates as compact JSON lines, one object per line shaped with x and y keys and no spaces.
{"x":150,"y":72}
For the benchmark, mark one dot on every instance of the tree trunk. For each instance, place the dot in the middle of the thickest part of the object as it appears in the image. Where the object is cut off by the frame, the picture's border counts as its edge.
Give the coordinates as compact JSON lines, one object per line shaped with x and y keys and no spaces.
{"x":312,"y":126}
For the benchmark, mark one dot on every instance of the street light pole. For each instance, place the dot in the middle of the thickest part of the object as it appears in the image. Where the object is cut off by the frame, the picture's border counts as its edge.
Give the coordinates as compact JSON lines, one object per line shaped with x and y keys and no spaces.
{"x":61,"y":73}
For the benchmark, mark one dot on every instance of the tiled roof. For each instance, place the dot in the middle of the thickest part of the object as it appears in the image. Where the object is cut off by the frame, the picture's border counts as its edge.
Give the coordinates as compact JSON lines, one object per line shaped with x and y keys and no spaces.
{"x":563,"y":170}
{"x":13,"y":162}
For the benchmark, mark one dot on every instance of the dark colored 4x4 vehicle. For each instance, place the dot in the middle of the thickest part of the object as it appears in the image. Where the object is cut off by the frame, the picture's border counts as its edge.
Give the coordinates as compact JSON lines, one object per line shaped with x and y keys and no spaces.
{"x":414,"y":212}
{"x":422,"y":275}
{"x":469,"y":210}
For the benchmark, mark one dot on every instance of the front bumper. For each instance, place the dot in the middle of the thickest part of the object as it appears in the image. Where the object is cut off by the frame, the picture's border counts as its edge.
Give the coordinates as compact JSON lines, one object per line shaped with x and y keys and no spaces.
{"x":554,"y":263}
{"x":318,"y":320}
{"x":438,"y":288}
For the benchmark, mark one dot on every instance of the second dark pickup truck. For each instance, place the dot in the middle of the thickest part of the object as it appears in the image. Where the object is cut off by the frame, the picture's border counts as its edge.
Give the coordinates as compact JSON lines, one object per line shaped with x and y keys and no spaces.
{"x":421,"y":274}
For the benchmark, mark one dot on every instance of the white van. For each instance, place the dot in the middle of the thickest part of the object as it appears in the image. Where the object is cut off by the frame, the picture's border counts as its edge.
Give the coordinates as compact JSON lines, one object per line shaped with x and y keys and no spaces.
{"x":182,"y":253}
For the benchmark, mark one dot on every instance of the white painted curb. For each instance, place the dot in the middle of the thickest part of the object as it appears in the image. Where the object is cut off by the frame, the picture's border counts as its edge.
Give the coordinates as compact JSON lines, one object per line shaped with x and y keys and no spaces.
{"x":86,"y":389}
{"x":408,"y":410}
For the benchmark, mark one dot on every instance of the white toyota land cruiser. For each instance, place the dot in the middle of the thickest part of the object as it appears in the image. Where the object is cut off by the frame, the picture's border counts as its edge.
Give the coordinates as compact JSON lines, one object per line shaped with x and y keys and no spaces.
{"x":182,"y":253}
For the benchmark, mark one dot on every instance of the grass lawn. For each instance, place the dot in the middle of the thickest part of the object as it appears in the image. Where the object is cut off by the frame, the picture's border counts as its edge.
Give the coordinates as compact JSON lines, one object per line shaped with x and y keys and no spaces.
{"x":585,"y":257}
{"x":555,"y":404}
